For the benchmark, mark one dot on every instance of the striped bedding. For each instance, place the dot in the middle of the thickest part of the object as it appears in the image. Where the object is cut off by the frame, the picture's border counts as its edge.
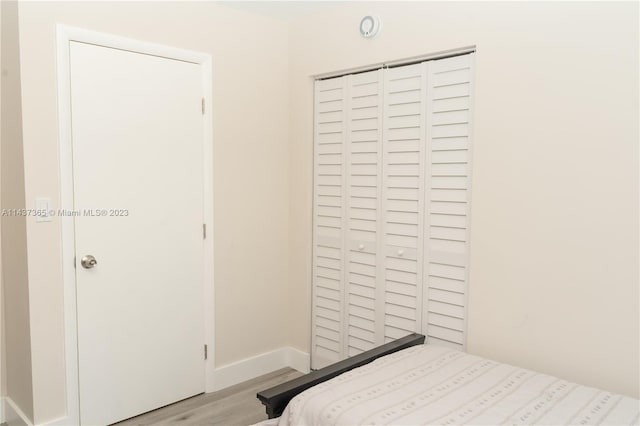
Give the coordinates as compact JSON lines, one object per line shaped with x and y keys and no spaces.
{"x":430,"y":384}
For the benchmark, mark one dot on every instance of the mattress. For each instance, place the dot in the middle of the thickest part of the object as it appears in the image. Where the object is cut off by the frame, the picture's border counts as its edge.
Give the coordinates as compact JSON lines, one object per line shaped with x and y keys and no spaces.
{"x":429,"y":384}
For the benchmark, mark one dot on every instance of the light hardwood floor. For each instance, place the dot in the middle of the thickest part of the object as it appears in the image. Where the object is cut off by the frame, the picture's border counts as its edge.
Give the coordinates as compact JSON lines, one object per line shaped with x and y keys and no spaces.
{"x":233,"y":406}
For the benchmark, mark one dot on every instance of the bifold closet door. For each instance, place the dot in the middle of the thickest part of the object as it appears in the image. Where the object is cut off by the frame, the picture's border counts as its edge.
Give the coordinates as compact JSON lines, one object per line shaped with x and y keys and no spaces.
{"x":403,"y":199}
{"x":329,"y":222}
{"x":363,"y":322}
{"x":391,"y":207}
{"x":447,"y":211}
{"x":346,"y":270}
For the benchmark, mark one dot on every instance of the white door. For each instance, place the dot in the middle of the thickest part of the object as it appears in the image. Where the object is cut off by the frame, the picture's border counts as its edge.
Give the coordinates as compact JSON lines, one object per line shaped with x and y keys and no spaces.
{"x":327,"y":337}
{"x":363,"y":266}
{"x":403,"y":198}
{"x":137,"y":131}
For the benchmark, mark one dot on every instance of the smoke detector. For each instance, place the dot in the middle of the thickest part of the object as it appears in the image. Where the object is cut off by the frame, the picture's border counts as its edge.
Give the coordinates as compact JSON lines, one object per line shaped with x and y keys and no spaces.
{"x":369,"y":26}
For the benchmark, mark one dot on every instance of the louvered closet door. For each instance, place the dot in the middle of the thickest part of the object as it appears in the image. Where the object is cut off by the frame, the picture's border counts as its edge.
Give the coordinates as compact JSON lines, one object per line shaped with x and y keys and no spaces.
{"x":391,"y":207}
{"x":364,"y":155}
{"x":329,"y":222}
{"x":448,"y":191}
{"x":403,"y":199}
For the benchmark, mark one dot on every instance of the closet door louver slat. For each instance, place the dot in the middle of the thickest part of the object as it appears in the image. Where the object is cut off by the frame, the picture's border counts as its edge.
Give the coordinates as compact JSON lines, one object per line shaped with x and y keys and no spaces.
{"x":364,"y":154}
{"x":448,"y":194}
{"x":403,"y":199}
{"x":329,"y":222}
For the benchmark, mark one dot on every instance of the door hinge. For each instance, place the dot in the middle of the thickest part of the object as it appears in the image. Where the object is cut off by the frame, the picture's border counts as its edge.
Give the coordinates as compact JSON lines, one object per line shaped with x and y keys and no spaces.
{"x":202,"y":106}
{"x":204,"y":231}
{"x":206,"y":352}
{"x":74,"y":262}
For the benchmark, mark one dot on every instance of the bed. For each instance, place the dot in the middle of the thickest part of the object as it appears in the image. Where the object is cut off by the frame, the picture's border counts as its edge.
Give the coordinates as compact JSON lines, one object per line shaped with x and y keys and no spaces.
{"x":410,"y":383}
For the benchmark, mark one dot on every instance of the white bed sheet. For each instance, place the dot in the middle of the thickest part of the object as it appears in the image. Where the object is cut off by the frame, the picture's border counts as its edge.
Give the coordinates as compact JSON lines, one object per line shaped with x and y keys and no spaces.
{"x":429,"y":384}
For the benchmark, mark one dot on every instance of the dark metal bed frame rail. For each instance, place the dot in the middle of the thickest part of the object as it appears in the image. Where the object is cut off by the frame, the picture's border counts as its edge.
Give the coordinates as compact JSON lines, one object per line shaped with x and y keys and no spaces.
{"x":276,"y":398}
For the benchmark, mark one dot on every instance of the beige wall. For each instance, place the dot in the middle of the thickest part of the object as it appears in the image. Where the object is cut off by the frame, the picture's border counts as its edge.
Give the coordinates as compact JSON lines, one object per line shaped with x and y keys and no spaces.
{"x":14,"y":252}
{"x":554,"y":273}
{"x":554,"y":240}
{"x":250,"y":108}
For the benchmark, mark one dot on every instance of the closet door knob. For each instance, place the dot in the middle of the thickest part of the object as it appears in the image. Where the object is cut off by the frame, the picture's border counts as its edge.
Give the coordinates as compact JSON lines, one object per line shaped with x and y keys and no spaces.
{"x":361,"y":247}
{"x":400,"y":253}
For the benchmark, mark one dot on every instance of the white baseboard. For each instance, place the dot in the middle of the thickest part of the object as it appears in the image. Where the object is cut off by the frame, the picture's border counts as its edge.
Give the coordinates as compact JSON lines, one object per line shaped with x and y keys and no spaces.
{"x":13,"y":415}
{"x":225,"y":376}
{"x":299,"y":360}
{"x":61,"y":421}
{"x":249,"y":368}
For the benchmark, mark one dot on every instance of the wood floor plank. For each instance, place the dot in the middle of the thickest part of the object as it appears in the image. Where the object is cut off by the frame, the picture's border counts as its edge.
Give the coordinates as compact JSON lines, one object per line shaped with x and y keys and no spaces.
{"x":236,"y":405}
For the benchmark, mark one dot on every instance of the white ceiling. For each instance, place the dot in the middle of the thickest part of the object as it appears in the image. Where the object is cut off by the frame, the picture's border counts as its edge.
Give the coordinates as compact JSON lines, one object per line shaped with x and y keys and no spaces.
{"x":282,"y":10}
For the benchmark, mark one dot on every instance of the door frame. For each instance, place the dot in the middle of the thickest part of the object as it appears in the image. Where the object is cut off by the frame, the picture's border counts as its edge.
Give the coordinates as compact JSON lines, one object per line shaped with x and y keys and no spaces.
{"x":65,"y":35}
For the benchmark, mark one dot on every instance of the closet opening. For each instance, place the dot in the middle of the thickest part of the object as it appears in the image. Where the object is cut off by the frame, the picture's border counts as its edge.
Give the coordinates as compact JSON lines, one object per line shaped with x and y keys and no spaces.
{"x":392,"y":198}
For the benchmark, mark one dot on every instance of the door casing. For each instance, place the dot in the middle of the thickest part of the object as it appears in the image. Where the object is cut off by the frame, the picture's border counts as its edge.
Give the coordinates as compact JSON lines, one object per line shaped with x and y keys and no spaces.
{"x":65,"y":35}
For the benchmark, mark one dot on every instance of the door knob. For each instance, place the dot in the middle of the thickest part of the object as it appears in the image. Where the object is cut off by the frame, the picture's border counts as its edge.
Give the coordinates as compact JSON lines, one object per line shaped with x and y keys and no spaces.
{"x":88,"y":262}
